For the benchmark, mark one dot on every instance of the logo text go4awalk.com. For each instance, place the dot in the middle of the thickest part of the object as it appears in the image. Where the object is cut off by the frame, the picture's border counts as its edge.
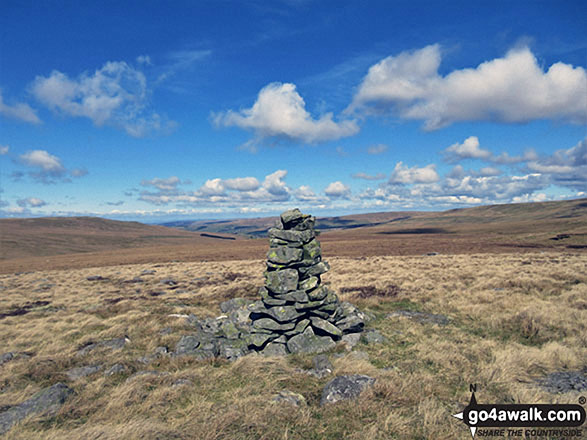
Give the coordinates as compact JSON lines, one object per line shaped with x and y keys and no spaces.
{"x":545,"y":419}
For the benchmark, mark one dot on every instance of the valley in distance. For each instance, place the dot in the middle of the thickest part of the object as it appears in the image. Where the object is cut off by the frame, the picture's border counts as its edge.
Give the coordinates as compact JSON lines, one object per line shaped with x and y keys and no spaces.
{"x":492,"y":295}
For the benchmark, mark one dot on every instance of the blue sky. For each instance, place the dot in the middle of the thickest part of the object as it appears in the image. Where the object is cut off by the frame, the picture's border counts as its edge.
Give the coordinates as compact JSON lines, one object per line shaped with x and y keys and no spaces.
{"x":156,"y":110}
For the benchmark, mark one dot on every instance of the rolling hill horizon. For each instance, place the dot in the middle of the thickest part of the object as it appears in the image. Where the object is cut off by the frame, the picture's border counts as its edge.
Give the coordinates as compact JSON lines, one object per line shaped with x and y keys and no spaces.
{"x":60,"y":242}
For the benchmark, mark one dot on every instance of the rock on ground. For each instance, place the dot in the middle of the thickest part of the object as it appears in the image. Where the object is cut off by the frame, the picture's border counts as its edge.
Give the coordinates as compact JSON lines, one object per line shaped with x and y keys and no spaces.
{"x":345,"y":387}
{"x":565,"y":381}
{"x":45,"y":402}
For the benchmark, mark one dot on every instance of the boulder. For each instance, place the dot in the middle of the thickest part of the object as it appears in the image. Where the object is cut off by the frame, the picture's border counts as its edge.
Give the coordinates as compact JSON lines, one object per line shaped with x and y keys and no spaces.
{"x":46,"y":402}
{"x":308,"y":342}
{"x":282,"y":281}
{"x":345,"y":387}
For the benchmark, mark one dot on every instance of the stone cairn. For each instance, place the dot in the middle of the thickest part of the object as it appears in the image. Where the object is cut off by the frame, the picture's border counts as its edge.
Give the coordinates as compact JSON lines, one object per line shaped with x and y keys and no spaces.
{"x":296,"y":313}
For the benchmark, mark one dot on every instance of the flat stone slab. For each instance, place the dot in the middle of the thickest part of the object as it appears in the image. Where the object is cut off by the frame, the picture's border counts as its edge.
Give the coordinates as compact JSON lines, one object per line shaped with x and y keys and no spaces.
{"x":421,"y":317}
{"x":282,"y":281}
{"x":283,"y":313}
{"x":46,"y":402}
{"x":345,"y":387}
{"x":308,"y":342}
{"x":284,"y":255}
{"x":325,"y":326}
{"x":270,"y":324}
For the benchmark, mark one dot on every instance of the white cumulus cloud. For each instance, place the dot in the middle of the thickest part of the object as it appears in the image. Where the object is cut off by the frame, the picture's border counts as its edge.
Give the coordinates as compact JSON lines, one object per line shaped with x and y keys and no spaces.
{"x":469,"y":149}
{"x":116,"y":94}
{"x":280,"y":112}
{"x":337,"y":190}
{"x":20,"y":110}
{"x":512,"y":89}
{"x":405,"y":175}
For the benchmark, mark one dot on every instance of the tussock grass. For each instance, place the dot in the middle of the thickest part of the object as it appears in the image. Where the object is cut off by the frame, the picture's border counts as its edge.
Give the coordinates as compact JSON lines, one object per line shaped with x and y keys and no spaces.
{"x":512,"y":319}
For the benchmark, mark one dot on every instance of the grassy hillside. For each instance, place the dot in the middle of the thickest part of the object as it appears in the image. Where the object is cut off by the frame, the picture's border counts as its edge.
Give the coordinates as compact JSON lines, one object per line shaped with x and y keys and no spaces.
{"x":510,"y":321}
{"x":21,"y":238}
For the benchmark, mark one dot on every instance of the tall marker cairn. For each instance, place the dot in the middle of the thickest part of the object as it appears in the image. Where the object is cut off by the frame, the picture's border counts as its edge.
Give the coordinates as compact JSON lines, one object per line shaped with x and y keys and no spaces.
{"x":296,"y":314}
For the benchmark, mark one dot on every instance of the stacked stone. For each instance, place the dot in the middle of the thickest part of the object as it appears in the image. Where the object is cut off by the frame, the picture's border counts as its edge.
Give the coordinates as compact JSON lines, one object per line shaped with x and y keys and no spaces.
{"x":296,"y":314}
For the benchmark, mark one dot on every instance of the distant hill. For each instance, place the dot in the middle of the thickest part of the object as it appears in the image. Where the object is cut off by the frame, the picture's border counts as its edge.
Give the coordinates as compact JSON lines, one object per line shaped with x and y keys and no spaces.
{"x":568,"y":215}
{"x":48,"y":236}
{"x":62,"y":243}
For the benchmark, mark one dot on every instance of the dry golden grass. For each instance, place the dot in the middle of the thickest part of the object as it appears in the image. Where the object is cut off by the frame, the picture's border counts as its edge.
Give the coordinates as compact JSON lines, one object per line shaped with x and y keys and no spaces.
{"x":513,"y":318}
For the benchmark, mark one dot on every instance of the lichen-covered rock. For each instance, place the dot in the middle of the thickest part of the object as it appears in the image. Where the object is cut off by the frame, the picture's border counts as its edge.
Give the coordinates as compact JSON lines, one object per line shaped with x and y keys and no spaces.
{"x":345,"y":387}
{"x":282,"y":281}
{"x":45,"y":402}
{"x":323,"y":326}
{"x":270,"y":324}
{"x":309,"y":283}
{"x":289,"y":398}
{"x":308,"y":342}
{"x":284,"y":255}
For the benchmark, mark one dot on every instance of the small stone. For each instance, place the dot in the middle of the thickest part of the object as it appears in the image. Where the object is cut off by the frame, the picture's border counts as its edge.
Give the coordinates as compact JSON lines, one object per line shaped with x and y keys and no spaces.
{"x":316,"y":269}
{"x":181,"y":383}
{"x":322,"y":364}
{"x":291,"y":217}
{"x":345,"y":387}
{"x":169,"y":282}
{"x":275,"y":349}
{"x":6,"y":357}
{"x":318,"y":294}
{"x":148,"y":272}
{"x":79,"y":372}
{"x":234,"y":304}
{"x":284,"y":313}
{"x":351,"y":339}
{"x":96,"y":278}
{"x":312,"y":250}
{"x":290,"y":398}
{"x":294,"y":296}
{"x":299,"y":328}
{"x":373,"y":337}
{"x":309,"y":283}
{"x":351,"y":324}
{"x":282,"y":281}
{"x":270,"y":324}
{"x":115,"y":369}
{"x":324,"y":326}
{"x":259,"y":339}
{"x":269,"y":300}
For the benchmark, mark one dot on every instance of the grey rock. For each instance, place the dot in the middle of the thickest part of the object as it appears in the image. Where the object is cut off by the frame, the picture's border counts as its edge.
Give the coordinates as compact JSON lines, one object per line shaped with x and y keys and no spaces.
{"x":161,"y":351}
{"x":322,"y":365}
{"x":275,"y":349}
{"x":423,"y":318}
{"x":321,"y":325}
{"x":232,"y":349}
{"x":5,"y":357}
{"x":79,"y":372}
{"x":283,"y":313}
{"x":148,"y":272}
{"x":351,"y":339}
{"x":169,"y":282}
{"x":308,"y":342}
{"x":299,"y":328}
{"x":284,"y":255}
{"x":290,"y":398}
{"x":294,"y":296}
{"x":113,"y":344}
{"x":309,"y":283}
{"x":314,"y":270}
{"x":318,"y":294}
{"x":229,"y":330}
{"x":234,"y":304}
{"x":270,"y":324}
{"x":345,"y":387}
{"x":564,"y":381}
{"x":258,"y":340}
{"x":96,"y":278}
{"x":201,"y":346}
{"x":269,"y":300}
{"x":291,"y":217}
{"x":282,"y":281}
{"x":291,"y":236}
{"x":312,"y":250}
{"x":45,"y":403}
{"x":373,"y":337}
{"x":115,"y":369}
{"x":351,"y":324}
